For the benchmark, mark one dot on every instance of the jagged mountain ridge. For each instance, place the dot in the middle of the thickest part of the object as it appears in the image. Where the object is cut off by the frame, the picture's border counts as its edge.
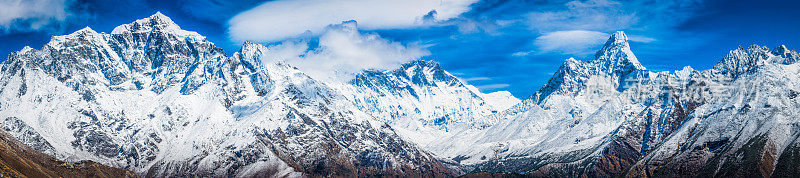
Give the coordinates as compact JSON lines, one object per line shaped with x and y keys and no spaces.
{"x":747,"y":129}
{"x":422,"y":100}
{"x":594,"y":120}
{"x":239,"y":115}
{"x":544,"y":121}
{"x":163,"y":101}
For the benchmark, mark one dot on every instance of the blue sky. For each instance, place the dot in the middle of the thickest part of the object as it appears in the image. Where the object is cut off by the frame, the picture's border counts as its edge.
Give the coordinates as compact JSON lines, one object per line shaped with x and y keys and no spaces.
{"x":494,"y":45}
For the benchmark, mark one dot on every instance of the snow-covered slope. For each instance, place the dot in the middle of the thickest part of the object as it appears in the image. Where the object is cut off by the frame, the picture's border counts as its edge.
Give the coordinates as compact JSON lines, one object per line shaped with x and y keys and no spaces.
{"x":500,"y":100}
{"x":423,"y":101}
{"x":162,"y":101}
{"x":602,"y":117}
{"x":559,"y":117}
{"x":749,"y":127}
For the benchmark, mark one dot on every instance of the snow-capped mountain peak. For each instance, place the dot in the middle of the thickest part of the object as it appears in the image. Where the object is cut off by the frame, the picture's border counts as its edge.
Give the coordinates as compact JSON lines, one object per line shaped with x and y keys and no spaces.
{"x":157,"y":22}
{"x":616,"y":55}
{"x":784,"y":52}
{"x":251,"y":54}
{"x":742,"y":60}
{"x":84,"y":30}
{"x":618,"y":37}
{"x":84,"y":34}
{"x":165,"y":102}
{"x":607,"y":74}
{"x":425,"y":73}
{"x":610,"y":117}
{"x":422,"y":100}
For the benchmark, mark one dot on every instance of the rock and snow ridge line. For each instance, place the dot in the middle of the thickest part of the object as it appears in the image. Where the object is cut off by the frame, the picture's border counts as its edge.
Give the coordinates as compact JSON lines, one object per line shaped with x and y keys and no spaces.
{"x":162,"y":101}
{"x":587,"y":110}
{"x":604,"y":116}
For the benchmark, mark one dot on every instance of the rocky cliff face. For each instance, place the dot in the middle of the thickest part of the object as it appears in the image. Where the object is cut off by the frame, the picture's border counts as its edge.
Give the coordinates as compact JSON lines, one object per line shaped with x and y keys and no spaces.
{"x":612,"y":117}
{"x":163,"y":101}
{"x":421,"y":100}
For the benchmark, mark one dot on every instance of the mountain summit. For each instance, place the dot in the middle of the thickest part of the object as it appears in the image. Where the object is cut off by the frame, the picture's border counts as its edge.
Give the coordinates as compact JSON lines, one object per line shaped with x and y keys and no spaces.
{"x":616,"y":55}
{"x":610,"y":117}
{"x":614,"y":67}
{"x":157,"y":22}
{"x":165,"y":102}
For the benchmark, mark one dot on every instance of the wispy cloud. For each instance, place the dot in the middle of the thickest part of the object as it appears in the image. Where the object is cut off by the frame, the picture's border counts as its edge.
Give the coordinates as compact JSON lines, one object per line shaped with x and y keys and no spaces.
{"x":493,"y":86}
{"x":575,"y":42}
{"x":522,"y":53}
{"x":476,"y":79}
{"x":31,"y":15}
{"x":641,"y":39}
{"x":595,"y":15}
{"x":279,"y":19}
{"x":342,"y":51}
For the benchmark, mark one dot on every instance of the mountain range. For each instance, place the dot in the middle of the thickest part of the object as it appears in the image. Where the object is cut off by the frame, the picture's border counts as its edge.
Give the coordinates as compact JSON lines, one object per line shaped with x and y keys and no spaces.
{"x":161,"y":101}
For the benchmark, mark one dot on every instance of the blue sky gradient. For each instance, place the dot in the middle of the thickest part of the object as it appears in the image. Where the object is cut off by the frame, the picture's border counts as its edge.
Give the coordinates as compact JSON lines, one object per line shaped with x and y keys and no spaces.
{"x":495,"y":45}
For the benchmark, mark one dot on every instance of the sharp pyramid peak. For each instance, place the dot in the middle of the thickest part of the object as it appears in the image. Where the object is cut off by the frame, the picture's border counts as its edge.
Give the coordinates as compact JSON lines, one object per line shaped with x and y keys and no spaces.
{"x":158,"y":14}
{"x":616,"y":53}
{"x":617,"y":41}
{"x":159,"y":19}
{"x":618,"y":37}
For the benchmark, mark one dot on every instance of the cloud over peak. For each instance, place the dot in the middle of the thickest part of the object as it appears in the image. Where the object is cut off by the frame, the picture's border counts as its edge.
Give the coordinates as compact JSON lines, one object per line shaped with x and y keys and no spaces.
{"x":342,"y":50}
{"x":575,"y":42}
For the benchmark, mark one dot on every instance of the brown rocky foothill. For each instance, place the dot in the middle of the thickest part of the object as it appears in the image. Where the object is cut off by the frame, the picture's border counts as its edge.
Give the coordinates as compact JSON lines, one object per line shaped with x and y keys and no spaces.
{"x":20,"y":160}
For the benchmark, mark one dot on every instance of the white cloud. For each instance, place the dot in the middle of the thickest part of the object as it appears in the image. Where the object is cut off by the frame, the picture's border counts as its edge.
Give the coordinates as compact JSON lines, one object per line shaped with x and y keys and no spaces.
{"x":279,"y":19}
{"x":641,"y":39}
{"x":596,"y":15}
{"x":575,"y":42}
{"x":476,"y":79}
{"x":343,"y":51}
{"x":27,"y":15}
{"x":522,"y":53}
{"x":493,"y":86}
